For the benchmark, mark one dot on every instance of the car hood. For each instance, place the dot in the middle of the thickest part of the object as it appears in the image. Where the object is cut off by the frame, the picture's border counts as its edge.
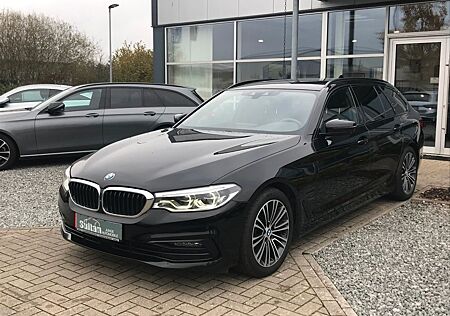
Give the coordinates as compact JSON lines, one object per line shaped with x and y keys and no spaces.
{"x":7,"y":115}
{"x":178,"y":158}
{"x":17,"y":106}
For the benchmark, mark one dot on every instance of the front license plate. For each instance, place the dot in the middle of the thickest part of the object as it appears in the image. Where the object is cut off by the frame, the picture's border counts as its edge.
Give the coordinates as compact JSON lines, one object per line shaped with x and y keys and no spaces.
{"x":98,"y":227}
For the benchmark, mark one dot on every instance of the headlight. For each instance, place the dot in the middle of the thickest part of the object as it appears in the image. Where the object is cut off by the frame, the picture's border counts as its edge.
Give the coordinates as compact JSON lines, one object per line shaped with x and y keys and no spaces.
{"x":66,"y":179}
{"x":194,"y":200}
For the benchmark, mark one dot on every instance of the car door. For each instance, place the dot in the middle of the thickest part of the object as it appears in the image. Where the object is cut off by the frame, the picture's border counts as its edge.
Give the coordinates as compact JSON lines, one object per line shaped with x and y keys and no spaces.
{"x":342,"y":161}
{"x":77,"y":128}
{"x":384,"y":132}
{"x":131,"y":111}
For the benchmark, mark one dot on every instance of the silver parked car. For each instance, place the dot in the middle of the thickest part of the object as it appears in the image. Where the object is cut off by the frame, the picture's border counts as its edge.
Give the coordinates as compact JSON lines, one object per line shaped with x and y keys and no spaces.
{"x":85,"y":118}
{"x":29,"y":96}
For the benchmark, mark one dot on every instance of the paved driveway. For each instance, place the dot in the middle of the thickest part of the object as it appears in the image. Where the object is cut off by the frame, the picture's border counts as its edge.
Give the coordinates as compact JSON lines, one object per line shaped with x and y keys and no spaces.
{"x":42,"y":274}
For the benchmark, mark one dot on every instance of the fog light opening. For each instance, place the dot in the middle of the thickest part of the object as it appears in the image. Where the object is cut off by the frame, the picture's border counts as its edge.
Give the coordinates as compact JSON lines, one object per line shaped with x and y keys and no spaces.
{"x":188,"y":244}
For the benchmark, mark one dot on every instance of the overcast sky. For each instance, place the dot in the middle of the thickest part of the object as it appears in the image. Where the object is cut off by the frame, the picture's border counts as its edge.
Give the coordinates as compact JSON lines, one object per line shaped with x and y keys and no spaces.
{"x":131,"y":21}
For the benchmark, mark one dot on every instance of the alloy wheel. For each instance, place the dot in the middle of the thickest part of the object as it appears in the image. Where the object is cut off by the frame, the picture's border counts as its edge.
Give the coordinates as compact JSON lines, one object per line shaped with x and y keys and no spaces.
{"x":409,"y":173}
{"x":270,"y":233}
{"x":5,"y":152}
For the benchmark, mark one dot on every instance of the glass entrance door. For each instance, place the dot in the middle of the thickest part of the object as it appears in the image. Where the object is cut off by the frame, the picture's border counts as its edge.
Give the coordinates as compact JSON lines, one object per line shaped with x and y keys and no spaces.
{"x":419,"y":69}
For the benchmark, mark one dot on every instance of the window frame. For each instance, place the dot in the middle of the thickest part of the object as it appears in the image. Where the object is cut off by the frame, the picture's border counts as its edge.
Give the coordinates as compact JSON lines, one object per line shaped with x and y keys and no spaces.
{"x":101,"y":104}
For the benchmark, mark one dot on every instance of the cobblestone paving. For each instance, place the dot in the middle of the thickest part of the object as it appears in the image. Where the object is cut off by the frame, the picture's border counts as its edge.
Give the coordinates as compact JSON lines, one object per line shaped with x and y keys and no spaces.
{"x":42,"y":274}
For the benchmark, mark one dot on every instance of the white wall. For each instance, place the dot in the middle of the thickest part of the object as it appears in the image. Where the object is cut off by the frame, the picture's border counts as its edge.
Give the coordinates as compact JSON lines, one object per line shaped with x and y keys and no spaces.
{"x":185,"y":11}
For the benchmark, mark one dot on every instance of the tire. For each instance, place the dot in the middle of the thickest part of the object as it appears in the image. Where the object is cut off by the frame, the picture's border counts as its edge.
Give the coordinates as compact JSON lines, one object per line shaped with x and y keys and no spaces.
{"x":259,"y":235}
{"x":406,"y":176}
{"x":8,"y":152}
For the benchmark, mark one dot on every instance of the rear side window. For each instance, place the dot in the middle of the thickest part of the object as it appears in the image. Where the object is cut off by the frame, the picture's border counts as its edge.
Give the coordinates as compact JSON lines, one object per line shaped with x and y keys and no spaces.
{"x":396,"y":100}
{"x":371,"y":103}
{"x":171,"y":98}
{"x":124,"y":98}
{"x":389,"y":110}
{"x":151,"y":99}
{"x":340,"y":106}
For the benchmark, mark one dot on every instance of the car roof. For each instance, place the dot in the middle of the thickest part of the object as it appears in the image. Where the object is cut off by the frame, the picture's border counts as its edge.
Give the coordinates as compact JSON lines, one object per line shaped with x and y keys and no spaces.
{"x":38,"y":86}
{"x":315,"y":85}
{"x":137,"y":84}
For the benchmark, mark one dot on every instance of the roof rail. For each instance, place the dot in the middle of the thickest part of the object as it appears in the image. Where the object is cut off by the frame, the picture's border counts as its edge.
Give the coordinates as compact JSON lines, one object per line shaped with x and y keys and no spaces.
{"x":242,"y":83}
{"x":135,"y":83}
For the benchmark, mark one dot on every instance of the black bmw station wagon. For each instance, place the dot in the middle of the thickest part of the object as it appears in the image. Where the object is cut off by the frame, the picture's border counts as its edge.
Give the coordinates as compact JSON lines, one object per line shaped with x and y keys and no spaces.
{"x":233,"y":182}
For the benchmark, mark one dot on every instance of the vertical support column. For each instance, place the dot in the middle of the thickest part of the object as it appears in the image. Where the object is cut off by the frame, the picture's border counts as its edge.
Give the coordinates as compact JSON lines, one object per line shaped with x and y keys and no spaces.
{"x":294,"y":51}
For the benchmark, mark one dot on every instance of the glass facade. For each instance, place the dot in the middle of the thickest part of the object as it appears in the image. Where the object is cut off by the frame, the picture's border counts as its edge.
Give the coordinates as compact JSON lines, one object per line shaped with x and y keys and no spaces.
{"x":208,"y":79}
{"x":213,"y":56}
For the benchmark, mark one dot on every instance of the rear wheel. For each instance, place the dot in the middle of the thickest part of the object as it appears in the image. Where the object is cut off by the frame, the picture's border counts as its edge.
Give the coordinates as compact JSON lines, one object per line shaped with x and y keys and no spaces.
{"x":406,"y":176}
{"x":8,"y":152}
{"x":267,"y":234}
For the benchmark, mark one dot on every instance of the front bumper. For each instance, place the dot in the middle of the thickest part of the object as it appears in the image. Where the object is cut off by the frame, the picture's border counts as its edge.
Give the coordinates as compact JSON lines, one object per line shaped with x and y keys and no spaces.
{"x":165,"y":239}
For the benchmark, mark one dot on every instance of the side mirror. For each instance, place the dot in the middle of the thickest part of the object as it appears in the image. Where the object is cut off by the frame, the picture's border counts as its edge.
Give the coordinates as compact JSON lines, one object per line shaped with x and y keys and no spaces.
{"x":179,"y":117}
{"x":4,"y":100}
{"x":55,"y":108}
{"x":339,"y":127}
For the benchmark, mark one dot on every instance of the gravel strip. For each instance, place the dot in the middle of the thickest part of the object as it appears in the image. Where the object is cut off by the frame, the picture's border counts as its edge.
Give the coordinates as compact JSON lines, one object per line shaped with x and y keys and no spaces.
{"x":397,"y":265}
{"x":29,"y":194}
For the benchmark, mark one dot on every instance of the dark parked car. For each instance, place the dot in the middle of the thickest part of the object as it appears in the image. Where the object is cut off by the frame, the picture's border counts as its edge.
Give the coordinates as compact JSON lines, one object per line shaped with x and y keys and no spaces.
{"x":235,"y":180}
{"x":85,"y":118}
{"x":424,"y":102}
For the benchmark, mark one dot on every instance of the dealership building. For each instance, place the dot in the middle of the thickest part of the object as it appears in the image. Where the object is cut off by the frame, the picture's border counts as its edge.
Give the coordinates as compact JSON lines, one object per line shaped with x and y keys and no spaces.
{"x":211,"y":44}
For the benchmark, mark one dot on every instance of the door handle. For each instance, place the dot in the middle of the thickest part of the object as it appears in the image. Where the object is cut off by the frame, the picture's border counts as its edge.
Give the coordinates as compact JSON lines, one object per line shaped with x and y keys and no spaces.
{"x":362,"y":141}
{"x":150,"y":113}
{"x":92,"y":115}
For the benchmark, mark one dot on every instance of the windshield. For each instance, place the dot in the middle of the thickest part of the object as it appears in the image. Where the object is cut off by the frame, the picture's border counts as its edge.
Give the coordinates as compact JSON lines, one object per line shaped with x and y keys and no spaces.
{"x":261,"y":111}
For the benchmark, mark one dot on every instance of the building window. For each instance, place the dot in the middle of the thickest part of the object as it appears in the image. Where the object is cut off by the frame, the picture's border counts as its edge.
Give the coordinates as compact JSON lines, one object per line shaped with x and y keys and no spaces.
{"x":309,"y":35}
{"x":356,"y":32}
{"x":263,"y":70}
{"x":368,"y":67}
{"x":200,"y":43}
{"x":419,"y":17}
{"x":208,"y":79}
{"x":266,"y":38}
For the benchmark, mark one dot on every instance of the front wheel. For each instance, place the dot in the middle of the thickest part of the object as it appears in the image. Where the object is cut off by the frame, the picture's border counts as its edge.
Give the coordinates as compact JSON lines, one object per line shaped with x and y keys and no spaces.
{"x":267,"y":234}
{"x":8,"y":152}
{"x":406,"y":176}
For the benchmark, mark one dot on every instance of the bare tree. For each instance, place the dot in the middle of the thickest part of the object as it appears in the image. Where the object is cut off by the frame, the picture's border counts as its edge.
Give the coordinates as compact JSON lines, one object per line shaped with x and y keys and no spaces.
{"x":38,"y":49}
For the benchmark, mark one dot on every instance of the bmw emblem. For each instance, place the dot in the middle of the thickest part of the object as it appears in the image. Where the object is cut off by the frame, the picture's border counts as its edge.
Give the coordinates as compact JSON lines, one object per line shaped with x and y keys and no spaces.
{"x":110,"y":176}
